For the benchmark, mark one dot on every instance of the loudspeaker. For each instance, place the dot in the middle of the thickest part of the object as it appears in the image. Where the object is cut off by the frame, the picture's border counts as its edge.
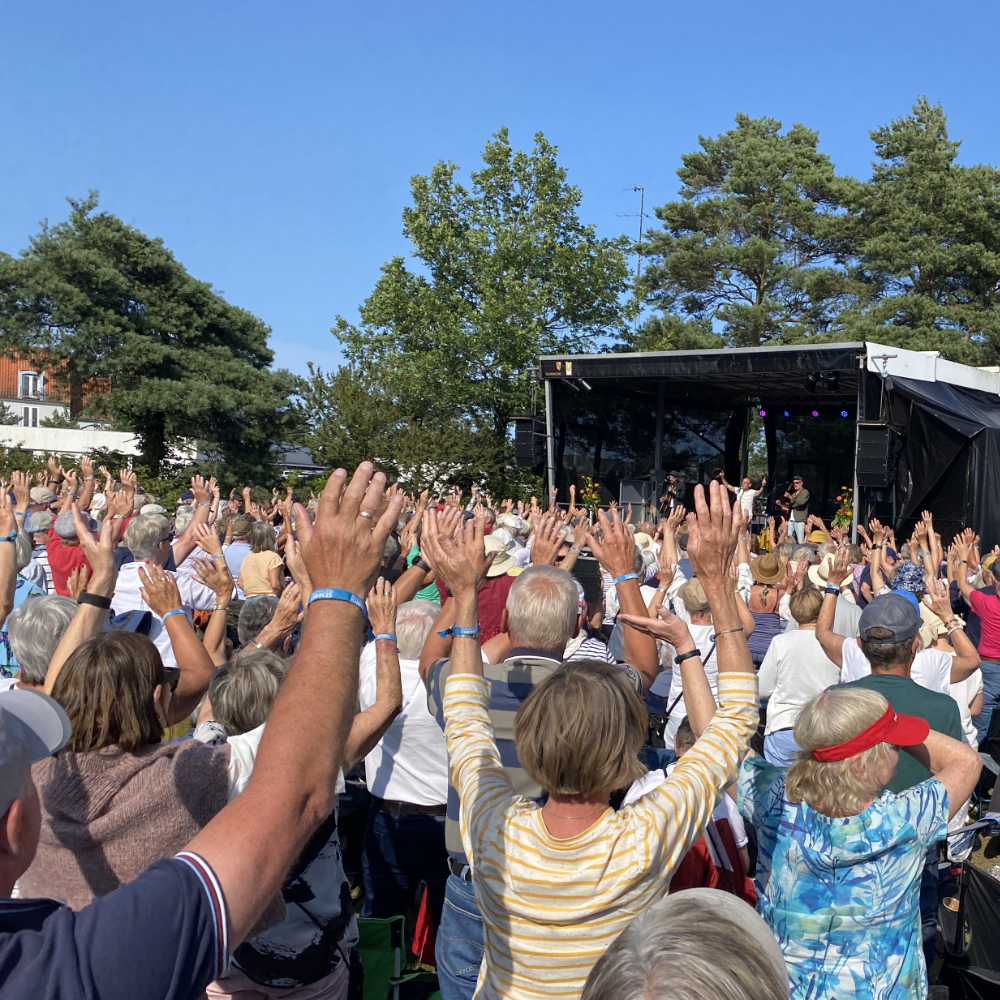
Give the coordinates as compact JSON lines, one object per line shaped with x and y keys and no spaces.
{"x":876,"y":458}
{"x":529,"y":442}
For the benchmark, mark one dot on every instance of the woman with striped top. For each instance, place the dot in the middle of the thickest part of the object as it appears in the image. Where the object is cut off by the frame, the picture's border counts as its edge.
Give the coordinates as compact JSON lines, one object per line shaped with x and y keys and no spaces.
{"x":557,"y":883}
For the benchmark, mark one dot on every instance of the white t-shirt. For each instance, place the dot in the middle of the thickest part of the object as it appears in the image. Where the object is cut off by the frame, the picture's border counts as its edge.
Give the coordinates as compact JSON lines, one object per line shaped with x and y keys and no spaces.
{"x":745,"y":498}
{"x":702,"y":636}
{"x":794,"y":671}
{"x":128,"y":597}
{"x":410,"y":762}
{"x":931,"y":667}
{"x":965,"y":692}
{"x":242,"y":753}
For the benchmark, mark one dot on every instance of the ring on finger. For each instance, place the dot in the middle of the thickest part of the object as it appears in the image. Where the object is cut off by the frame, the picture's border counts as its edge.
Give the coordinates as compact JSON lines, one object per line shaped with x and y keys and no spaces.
{"x":364,"y":513}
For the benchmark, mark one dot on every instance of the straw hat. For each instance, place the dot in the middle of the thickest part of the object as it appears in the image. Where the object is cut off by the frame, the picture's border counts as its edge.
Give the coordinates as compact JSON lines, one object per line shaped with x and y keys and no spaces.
{"x":643,"y":541}
{"x":819,"y":575}
{"x":503,"y":561}
{"x":766,"y":569}
{"x":817,"y":537}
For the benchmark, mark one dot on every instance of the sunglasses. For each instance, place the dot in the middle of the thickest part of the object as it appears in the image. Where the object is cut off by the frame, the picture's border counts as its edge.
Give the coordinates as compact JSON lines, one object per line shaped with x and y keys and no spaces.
{"x":171,"y":677}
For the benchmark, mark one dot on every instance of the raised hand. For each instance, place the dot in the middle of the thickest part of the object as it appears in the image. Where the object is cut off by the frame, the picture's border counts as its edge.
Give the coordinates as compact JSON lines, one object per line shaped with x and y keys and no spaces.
{"x":214,"y":574}
{"x":213,"y":488}
{"x":841,"y":566}
{"x":41,"y":478}
{"x":87,"y":467}
{"x":56,"y":472}
{"x":668,"y":627}
{"x":159,"y":589}
{"x":100,"y":551}
{"x":76,"y":582}
{"x":713,"y":533}
{"x":344,"y":548}
{"x":548,"y":541}
{"x":460,"y":559}
{"x":207,"y":539}
{"x":674,"y":518}
{"x":381,"y":603}
{"x":20,"y":483}
{"x":7,"y":522}
{"x":70,"y":478}
{"x":938,"y":599}
{"x":200,"y":489}
{"x":128,"y":480}
{"x":616,"y":550}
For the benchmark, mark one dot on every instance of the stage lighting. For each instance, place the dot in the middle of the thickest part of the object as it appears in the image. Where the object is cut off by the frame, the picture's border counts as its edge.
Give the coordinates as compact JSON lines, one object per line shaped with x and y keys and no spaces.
{"x":763,"y":413}
{"x":815,"y":413}
{"x":787,"y":414}
{"x":843,"y":413}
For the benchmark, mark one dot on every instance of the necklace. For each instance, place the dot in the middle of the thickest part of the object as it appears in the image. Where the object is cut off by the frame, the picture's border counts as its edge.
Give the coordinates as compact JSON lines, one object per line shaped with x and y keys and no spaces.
{"x":589,"y":812}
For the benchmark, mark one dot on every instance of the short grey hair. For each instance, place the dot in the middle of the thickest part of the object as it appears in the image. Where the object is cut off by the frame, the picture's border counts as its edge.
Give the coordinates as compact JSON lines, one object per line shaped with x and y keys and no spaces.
{"x":804,"y":554}
{"x":826,"y":549}
{"x":23,"y":549}
{"x":34,"y":630}
{"x":691,"y":946}
{"x":542,"y":607}
{"x":391,"y":551}
{"x":413,"y":624}
{"x":243,"y":690}
{"x":254,"y":615}
{"x":144,"y":534}
{"x":183,"y":516}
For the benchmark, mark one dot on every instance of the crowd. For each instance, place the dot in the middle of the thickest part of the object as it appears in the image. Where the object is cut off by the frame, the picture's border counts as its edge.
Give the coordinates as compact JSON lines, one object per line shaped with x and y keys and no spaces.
{"x":587,"y":757}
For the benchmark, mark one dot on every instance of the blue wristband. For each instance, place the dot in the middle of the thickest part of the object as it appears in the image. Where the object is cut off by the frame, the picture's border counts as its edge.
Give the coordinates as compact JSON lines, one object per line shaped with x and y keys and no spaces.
{"x":460,"y":632}
{"x":385,"y":635}
{"x":11,"y":537}
{"x":333,"y":594}
{"x":203,"y":504}
{"x":176,"y":611}
{"x":624,"y":577}
{"x":219,"y":556}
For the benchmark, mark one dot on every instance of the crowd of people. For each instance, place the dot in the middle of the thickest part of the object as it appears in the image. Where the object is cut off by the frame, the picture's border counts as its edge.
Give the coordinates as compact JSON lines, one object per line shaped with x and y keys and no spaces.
{"x":584,"y":756}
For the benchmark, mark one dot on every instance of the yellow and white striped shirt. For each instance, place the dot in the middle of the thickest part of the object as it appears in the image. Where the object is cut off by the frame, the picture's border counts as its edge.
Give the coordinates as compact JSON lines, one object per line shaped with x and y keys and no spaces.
{"x":551,"y":907}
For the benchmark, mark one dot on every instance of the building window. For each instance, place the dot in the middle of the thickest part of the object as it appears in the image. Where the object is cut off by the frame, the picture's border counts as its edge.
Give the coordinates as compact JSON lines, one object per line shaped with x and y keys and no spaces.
{"x":29,"y":416}
{"x":32,"y":385}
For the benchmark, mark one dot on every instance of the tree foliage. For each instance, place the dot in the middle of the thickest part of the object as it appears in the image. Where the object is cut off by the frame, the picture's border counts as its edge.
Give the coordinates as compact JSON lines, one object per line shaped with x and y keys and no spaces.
{"x":104,"y":306}
{"x":505,"y":271}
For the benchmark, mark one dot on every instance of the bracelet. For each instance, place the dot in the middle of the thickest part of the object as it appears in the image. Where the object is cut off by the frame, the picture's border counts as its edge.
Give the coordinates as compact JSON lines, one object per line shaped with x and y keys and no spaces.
{"x":419,"y":561}
{"x":176,"y":611}
{"x":20,"y":513}
{"x":117,"y":517}
{"x":831,"y":590}
{"x":94,"y":599}
{"x":219,"y":556}
{"x":573,"y":548}
{"x":10,"y":537}
{"x":259,"y":645}
{"x":203,"y":504}
{"x":385,"y":635}
{"x":220,"y":607}
{"x":715,"y":635}
{"x":687,"y":655}
{"x":461,"y":632}
{"x":624,"y":577}
{"x":957,"y":628}
{"x":741,"y":538}
{"x":88,"y":479}
{"x":71,"y":494}
{"x":335,"y":594}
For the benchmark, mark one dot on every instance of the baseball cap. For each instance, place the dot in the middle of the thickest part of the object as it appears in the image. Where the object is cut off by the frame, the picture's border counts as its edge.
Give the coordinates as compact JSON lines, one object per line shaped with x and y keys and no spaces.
{"x":65,"y":528}
{"x":42,"y":494}
{"x":893,"y":612}
{"x":240,"y":526}
{"x":797,"y":479}
{"x":186,"y":497}
{"x":674,"y":473}
{"x":32,"y":727}
{"x":39,"y":520}
{"x":988,"y":563}
{"x":152,"y":508}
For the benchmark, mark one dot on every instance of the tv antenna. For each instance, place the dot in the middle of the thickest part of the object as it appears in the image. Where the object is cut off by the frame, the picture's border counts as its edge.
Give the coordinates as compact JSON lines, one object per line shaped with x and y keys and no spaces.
{"x":632,"y":215}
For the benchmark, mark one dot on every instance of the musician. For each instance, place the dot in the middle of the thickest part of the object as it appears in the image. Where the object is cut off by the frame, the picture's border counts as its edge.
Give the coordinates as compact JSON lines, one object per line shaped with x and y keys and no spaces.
{"x":745,"y":493}
{"x":798,"y":498}
{"x":676,"y":491}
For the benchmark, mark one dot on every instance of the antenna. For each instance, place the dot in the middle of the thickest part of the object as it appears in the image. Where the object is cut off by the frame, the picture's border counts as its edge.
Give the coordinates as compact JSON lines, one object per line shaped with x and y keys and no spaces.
{"x":642,"y":215}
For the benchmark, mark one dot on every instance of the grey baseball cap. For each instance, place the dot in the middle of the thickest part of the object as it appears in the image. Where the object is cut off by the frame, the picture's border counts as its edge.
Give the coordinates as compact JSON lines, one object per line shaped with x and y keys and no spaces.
{"x":65,"y":528}
{"x":892,"y":612}
{"x":32,"y":727}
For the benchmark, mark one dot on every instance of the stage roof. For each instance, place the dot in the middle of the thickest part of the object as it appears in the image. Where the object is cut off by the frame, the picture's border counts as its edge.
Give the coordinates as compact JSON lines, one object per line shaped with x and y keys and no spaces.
{"x":719,"y":378}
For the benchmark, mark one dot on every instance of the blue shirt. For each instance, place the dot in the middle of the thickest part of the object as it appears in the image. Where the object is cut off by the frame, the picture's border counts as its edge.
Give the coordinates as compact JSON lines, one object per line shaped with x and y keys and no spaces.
{"x":23,"y":589}
{"x":235,"y":554}
{"x":842,"y":895}
{"x":159,"y":937}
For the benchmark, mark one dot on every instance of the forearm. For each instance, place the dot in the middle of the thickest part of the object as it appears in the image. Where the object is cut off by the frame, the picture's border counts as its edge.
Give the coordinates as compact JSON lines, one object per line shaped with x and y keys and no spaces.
{"x":466,"y":657}
{"x":746,"y":618}
{"x":215,"y":635}
{"x":732,"y":652}
{"x":370,"y":725}
{"x":832,"y":643}
{"x":956,"y":765}
{"x":699,"y":702}
{"x":87,"y":621}
{"x":186,"y":544}
{"x":966,"y":660}
{"x":410,"y":582}
{"x":196,"y":666}
{"x":640,"y":650}
{"x":8,"y":578}
{"x":437,"y":647}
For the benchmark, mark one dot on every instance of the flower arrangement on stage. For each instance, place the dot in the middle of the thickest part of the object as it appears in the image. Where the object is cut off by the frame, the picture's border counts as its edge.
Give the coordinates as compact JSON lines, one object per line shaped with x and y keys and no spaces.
{"x":590,"y":495}
{"x":844,"y":517}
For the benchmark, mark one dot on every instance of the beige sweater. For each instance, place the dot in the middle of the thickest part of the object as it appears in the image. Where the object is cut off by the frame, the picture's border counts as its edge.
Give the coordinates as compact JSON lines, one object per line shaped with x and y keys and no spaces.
{"x":108,"y":815}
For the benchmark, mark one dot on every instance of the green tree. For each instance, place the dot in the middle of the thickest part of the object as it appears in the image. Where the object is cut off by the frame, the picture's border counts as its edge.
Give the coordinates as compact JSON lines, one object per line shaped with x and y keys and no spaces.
{"x":507,"y":271}
{"x":756,"y":243}
{"x":8,"y":418}
{"x":669,"y":332}
{"x":927,"y":233}
{"x":103,"y":305}
{"x":61,"y":419}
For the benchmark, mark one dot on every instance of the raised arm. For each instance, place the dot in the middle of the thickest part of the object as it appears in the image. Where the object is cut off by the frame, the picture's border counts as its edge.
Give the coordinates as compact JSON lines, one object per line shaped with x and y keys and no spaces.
{"x":966,"y":660}
{"x":616,"y":553}
{"x":956,"y":765}
{"x":832,"y":643}
{"x":186,"y":544}
{"x":8,"y":554}
{"x":87,"y":483}
{"x":253,"y":842}
{"x":214,"y":574}
{"x":370,"y":725}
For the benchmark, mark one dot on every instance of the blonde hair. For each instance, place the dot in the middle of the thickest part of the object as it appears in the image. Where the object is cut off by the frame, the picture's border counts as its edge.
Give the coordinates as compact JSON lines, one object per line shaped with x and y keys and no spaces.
{"x":838,"y":787}
{"x":579,"y":732}
{"x":804,"y":605}
{"x":692,"y":594}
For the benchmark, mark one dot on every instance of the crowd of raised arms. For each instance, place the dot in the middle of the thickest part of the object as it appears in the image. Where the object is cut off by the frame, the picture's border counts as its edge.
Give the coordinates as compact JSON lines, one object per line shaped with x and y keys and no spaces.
{"x":583,"y":757}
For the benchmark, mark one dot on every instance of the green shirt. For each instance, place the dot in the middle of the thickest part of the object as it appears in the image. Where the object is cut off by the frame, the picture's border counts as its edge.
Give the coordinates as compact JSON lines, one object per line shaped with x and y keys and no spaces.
{"x":428,"y":593}
{"x":907,"y":697}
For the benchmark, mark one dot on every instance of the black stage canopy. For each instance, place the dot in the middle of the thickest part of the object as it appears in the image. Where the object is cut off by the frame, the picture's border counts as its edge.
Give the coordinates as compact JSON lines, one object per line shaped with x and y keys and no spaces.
{"x":829,"y":412}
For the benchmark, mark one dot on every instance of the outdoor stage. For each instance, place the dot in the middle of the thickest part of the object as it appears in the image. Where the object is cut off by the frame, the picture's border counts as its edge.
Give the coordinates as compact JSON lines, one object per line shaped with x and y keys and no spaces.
{"x":908,"y":430}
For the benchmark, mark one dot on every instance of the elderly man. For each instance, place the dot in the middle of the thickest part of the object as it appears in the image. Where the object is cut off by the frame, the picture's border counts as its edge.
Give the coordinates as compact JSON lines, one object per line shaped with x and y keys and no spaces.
{"x":148,"y":537}
{"x":64,"y":552}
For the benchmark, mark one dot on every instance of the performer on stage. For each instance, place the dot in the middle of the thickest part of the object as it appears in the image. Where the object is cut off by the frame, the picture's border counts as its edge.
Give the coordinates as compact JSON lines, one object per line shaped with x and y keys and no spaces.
{"x":798,"y":498}
{"x":676,"y":491}
{"x":745,"y":493}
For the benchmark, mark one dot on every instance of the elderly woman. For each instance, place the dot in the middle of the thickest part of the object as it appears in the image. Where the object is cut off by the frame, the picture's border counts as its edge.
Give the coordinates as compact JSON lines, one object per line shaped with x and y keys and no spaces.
{"x":839,"y":868}
{"x":557,"y":883}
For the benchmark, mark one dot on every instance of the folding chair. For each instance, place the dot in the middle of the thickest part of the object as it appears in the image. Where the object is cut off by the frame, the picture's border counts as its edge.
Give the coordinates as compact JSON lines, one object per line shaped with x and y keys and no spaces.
{"x":971,"y":966}
{"x":382,"y":944}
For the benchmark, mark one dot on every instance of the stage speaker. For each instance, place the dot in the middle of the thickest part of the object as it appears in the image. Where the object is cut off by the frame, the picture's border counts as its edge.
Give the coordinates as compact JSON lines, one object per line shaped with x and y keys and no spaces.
{"x":529,"y":442}
{"x":876,"y":458}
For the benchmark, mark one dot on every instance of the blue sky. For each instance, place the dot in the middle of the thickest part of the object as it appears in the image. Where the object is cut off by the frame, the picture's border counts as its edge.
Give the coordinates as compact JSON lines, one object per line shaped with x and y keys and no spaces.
{"x":271,"y":145}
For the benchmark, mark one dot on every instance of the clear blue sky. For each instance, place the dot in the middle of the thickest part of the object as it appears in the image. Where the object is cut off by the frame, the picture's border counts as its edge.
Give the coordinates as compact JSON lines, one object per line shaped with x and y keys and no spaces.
{"x":271,"y":145}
